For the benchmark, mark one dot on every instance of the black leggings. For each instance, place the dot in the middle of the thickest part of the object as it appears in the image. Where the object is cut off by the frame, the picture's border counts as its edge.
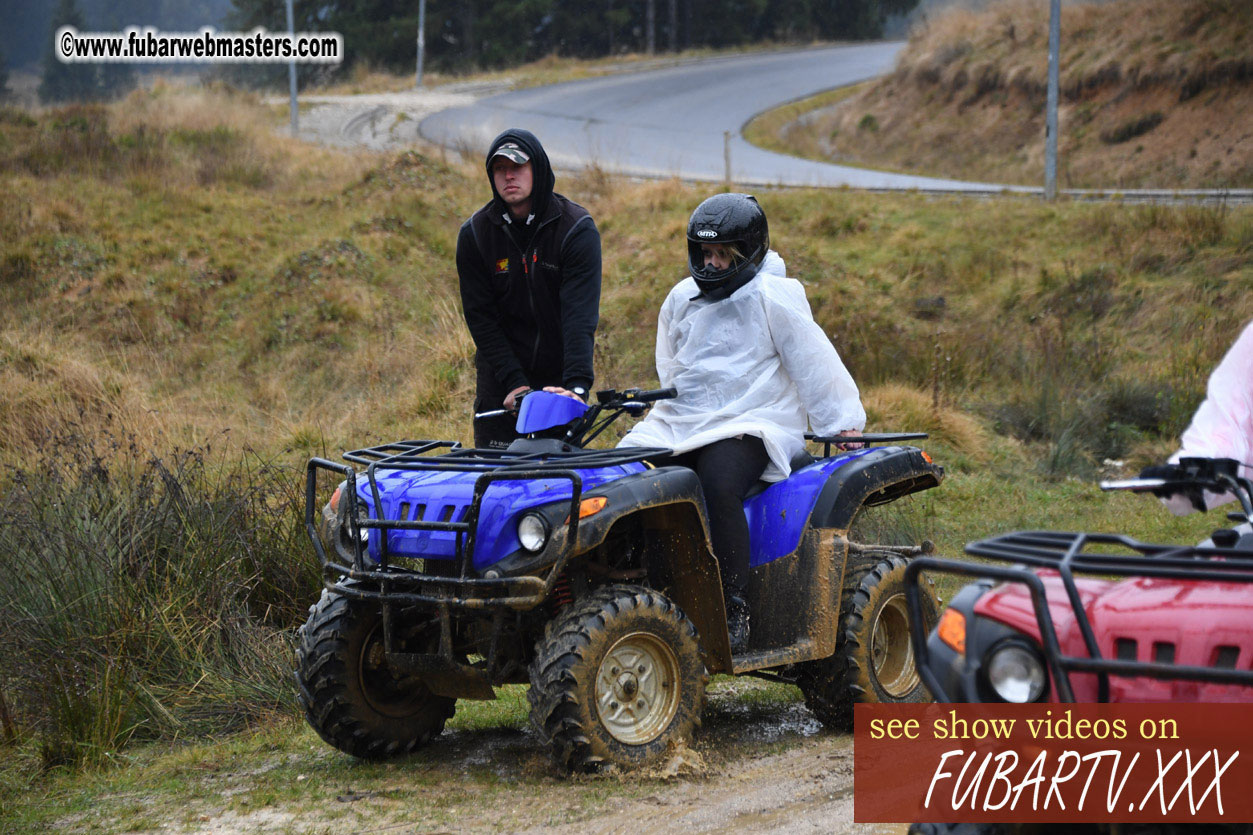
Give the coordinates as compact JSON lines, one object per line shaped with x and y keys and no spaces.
{"x":727,"y":470}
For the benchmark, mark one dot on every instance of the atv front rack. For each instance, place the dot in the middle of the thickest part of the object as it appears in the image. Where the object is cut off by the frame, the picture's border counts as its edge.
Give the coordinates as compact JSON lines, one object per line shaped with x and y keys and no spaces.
{"x":1085,"y":553}
{"x":405,"y":586}
{"x":412,"y":455}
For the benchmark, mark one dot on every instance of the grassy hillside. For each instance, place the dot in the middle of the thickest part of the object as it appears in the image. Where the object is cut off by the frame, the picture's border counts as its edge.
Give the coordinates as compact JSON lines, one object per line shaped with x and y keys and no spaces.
{"x":194,"y":304}
{"x":173,"y":271}
{"x":1154,"y":93}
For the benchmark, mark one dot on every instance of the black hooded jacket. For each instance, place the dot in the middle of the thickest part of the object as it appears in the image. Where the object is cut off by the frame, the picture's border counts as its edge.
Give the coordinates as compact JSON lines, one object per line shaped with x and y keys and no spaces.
{"x":530,"y":291}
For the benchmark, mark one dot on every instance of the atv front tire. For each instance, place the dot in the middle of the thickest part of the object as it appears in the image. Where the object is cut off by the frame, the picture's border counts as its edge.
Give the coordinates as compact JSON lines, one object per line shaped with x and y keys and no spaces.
{"x":874,"y":659}
{"x":350,"y":695}
{"x":617,"y":680}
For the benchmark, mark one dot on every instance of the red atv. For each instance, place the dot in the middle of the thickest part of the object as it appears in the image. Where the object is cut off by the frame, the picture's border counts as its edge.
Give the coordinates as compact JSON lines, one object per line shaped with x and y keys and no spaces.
{"x":1084,"y":617}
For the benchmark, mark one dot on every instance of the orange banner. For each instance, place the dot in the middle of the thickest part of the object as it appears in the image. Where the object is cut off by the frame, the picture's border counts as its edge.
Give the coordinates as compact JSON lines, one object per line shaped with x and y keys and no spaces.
{"x":1053,"y":763}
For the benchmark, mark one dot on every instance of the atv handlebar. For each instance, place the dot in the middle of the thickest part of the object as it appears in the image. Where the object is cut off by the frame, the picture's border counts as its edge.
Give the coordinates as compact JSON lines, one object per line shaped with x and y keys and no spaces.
{"x":871,"y":438}
{"x":862,"y":441}
{"x":517,"y":404}
{"x":1135,"y":485}
{"x":611,"y":397}
{"x":1192,"y":477}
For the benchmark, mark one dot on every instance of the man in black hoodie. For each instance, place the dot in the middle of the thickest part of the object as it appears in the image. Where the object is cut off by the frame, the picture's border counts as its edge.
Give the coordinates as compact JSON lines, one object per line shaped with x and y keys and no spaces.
{"x":529,"y":267}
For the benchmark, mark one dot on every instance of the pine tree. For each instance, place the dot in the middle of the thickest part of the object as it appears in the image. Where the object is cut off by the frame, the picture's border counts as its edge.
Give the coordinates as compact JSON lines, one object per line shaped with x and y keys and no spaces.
{"x":4,"y":76}
{"x":67,"y":82}
{"x":114,"y":79}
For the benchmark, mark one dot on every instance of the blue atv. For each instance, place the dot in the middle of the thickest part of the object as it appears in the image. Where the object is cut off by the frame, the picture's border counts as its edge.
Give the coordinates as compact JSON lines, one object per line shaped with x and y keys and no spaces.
{"x":588,"y":574}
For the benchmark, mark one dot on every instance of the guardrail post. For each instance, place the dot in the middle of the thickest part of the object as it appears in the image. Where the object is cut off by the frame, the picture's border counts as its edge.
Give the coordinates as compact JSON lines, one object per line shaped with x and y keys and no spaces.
{"x":1050,"y":118}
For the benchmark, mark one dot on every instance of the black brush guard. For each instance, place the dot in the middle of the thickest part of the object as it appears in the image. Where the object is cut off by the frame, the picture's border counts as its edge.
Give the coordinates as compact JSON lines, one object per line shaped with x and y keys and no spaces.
{"x":385,"y":582}
{"x":1068,"y":553}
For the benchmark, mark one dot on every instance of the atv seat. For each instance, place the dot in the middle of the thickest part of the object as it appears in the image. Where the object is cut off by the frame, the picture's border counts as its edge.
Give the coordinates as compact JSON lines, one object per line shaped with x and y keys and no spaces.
{"x":799,"y":460}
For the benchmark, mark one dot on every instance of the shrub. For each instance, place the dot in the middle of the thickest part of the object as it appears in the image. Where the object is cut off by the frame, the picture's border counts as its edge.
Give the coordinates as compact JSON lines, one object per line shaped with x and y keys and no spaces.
{"x":147,"y":597}
{"x":1132,"y":128}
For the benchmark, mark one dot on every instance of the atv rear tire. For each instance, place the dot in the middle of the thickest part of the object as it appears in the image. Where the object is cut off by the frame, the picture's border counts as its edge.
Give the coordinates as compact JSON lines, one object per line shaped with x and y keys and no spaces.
{"x":874,"y":659}
{"x":349,"y":693}
{"x":617,"y":680}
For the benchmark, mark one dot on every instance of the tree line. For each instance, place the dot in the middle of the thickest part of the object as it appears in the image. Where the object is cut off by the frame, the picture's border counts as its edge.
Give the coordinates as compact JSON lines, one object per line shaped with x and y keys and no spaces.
{"x":466,"y":35}
{"x":485,"y":34}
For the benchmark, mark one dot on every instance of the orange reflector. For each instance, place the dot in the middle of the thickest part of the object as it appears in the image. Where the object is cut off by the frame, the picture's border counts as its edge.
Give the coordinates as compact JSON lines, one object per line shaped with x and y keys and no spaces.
{"x":335,"y":498}
{"x":588,"y":507}
{"x":926,"y":457}
{"x":952,"y":630}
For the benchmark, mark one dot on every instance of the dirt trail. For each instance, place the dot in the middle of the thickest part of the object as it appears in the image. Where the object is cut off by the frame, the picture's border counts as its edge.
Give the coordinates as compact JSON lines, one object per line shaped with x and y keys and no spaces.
{"x":805,"y":789}
{"x":378,"y":121}
{"x":754,"y":768}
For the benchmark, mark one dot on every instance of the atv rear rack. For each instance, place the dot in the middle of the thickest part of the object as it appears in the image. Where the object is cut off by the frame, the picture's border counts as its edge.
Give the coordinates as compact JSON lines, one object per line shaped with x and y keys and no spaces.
{"x":1086,"y":553}
{"x":404,"y":586}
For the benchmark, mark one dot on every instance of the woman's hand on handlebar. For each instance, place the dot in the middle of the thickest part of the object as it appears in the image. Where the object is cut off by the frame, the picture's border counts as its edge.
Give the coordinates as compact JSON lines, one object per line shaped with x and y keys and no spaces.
{"x":849,"y":433}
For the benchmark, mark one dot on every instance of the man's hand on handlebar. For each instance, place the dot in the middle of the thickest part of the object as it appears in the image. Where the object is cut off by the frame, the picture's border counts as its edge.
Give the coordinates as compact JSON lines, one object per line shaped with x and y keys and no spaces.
{"x":511,"y":399}
{"x":564,"y":392}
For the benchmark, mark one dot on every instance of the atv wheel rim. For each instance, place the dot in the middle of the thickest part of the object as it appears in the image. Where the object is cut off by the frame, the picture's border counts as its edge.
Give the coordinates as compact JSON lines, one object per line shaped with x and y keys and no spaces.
{"x":891,"y":653}
{"x":637,"y":688}
{"x":384,"y":689}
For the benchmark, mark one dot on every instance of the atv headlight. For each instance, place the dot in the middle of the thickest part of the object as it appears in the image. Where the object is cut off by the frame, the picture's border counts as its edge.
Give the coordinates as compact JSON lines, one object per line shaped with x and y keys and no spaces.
{"x":1016,"y":672}
{"x":533,"y":532}
{"x":363,"y":515}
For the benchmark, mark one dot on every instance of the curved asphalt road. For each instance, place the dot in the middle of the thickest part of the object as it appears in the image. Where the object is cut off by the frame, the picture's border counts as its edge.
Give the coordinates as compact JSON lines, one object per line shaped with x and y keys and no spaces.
{"x":670,"y":122}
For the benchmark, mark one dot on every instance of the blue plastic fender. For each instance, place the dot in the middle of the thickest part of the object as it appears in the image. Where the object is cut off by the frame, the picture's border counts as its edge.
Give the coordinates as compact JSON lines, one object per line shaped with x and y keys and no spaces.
{"x":778,"y":515}
{"x":543,"y":410}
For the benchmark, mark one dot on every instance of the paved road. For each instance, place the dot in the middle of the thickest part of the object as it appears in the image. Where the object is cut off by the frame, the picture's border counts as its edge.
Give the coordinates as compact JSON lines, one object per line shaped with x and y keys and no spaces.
{"x":671,"y":121}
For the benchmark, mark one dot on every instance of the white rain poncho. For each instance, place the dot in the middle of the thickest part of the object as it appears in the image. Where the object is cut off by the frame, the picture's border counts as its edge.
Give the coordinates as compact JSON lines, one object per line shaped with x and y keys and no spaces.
{"x":1223,"y":424}
{"x":752,"y":364}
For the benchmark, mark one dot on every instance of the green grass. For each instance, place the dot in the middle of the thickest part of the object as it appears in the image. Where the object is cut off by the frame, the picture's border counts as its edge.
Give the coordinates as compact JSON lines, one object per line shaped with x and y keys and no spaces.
{"x":770,"y":130}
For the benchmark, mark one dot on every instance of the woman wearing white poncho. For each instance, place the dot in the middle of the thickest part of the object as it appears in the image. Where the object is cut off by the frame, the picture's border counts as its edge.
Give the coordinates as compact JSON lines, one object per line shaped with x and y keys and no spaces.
{"x":1223,"y":424}
{"x":751,"y":367}
{"x":754,"y":364}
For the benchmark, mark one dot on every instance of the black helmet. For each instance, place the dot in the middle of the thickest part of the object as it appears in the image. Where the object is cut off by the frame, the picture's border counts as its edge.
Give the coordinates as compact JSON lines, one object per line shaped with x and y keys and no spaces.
{"x":728,"y":219}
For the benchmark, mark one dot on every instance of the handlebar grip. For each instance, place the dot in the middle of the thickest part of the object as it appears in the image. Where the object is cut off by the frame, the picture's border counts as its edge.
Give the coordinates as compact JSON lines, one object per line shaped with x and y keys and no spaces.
{"x":655,"y":394}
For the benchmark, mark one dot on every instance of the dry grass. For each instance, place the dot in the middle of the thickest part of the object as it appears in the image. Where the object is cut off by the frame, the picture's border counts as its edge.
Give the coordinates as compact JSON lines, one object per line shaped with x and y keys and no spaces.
{"x":897,"y":405}
{"x":1190,"y":45}
{"x":314,"y":305}
{"x":1154,"y":93}
{"x":173,"y":257}
{"x":52,"y":387}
